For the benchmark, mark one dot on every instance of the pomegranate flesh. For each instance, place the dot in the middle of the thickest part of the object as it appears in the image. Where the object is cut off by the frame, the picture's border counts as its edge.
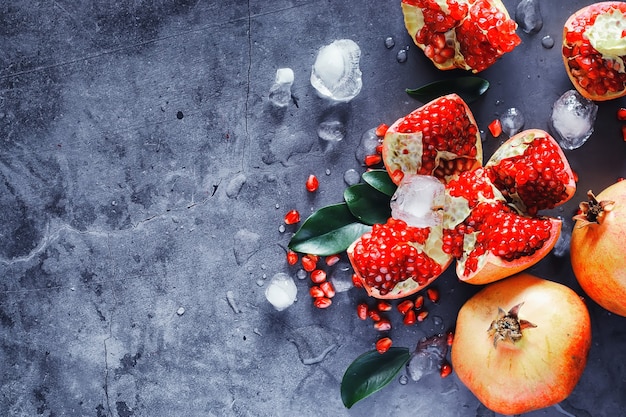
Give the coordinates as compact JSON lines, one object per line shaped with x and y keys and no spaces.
{"x":594,"y":49}
{"x":521,"y":344}
{"x":466,"y":34}
{"x":597,"y":247}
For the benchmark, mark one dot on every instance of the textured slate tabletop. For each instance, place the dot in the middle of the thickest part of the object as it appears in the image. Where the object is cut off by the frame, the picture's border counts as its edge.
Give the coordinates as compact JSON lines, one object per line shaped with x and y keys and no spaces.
{"x":144,"y":175}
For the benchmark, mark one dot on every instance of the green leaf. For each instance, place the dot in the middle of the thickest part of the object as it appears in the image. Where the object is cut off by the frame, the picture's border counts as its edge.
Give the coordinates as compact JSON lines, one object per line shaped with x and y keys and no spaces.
{"x":380,"y":180}
{"x":469,"y":88}
{"x":367,"y":204}
{"x":370,"y":372}
{"x":328,"y":231}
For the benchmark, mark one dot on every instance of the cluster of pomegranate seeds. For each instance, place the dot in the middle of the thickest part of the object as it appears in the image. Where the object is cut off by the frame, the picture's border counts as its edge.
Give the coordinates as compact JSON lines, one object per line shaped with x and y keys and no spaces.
{"x":538,"y":176}
{"x":292,"y":217}
{"x":596,"y":73}
{"x":495,"y":128}
{"x":387,"y":255}
{"x":486,"y":35}
{"x":322,"y":291}
{"x":473,"y":186}
{"x":446,"y":128}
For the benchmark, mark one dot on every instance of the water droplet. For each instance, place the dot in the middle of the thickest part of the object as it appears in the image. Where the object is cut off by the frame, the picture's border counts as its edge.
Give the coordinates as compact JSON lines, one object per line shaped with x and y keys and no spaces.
{"x":438,"y":322}
{"x":281,"y":228}
{"x":180,"y":311}
{"x":351,"y":177}
{"x":402,"y":56}
{"x":547,"y":42}
{"x":301,"y":274}
{"x":327,"y":171}
{"x":389,"y":42}
{"x":403,"y":380}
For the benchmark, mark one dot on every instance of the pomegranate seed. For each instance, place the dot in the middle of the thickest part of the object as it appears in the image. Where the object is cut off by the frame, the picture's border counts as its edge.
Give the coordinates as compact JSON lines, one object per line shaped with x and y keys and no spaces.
{"x":374,"y":315}
{"x":445,"y":370}
{"x":373,"y":159}
{"x":322,"y":302}
{"x":316,"y":292}
{"x":450,"y":338}
{"x":381,"y":130}
{"x":383,"y":345}
{"x":421,"y":316}
{"x":624,"y":133}
{"x":318,"y":276}
{"x":362,"y":311}
{"x":292,"y":257}
{"x":419,"y":302}
{"x":621,"y":114}
{"x":328,"y":289}
{"x":312,"y":184}
{"x":495,"y":128}
{"x":396,"y":176}
{"x":379,"y":149}
{"x":356,"y":281}
{"x":383,"y":306}
{"x":382,"y":325}
{"x":332,"y":260}
{"x":405,"y":306}
{"x":409,"y":318}
{"x":308,"y":263}
{"x":292,"y":217}
{"x":433,"y":294}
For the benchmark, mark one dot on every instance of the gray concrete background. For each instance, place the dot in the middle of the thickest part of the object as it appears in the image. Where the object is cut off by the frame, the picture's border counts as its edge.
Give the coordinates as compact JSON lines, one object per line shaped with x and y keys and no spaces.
{"x":143,"y":170}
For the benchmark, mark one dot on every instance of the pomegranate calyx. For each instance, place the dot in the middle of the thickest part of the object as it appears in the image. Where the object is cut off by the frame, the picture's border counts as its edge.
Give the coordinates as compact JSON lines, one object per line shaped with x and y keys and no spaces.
{"x":593,"y":211}
{"x":508,"y":327}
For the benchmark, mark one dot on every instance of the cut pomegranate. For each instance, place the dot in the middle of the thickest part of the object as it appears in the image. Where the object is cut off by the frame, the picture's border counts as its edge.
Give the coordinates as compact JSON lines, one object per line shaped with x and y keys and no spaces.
{"x":440,"y":139}
{"x":467,"y":34}
{"x":594,"y":49}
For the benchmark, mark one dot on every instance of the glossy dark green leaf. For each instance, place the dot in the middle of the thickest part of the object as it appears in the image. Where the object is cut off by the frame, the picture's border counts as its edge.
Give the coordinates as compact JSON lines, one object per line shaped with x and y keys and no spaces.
{"x":370,"y":372}
{"x":328,"y":231}
{"x":380,"y":180}
{"x":469,"y":88}
{"x":367,"y":204}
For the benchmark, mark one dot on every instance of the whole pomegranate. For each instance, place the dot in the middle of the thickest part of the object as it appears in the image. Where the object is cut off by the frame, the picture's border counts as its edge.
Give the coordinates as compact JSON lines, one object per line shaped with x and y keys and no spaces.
{"x":594,"y":49}
{"x":466,"y":34}
{"x":521,"y":344}
{"x":597,"y":247}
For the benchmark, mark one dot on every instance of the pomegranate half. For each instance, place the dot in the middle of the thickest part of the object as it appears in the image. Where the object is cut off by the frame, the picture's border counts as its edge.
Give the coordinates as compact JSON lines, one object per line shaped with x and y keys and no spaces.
{"x":594,"y":49}
{"x":597,"y":247}
{"x":466,"y":34}
{"x":521,"y":344}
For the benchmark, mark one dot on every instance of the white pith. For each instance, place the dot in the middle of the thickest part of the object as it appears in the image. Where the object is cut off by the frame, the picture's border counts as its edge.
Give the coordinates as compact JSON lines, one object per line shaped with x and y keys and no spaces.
{"x":605,"y":35}
{"x":412,"y":142}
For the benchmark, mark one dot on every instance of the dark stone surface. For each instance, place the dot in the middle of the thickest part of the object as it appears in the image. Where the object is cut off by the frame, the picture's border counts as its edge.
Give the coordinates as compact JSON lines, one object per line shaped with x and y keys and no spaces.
{"x":143,"y":169}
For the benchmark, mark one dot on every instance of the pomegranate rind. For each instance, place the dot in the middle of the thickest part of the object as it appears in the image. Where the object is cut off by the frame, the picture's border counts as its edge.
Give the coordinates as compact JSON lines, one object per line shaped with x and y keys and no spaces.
{"x":597,"y":254}
{"x":403,"y":148}
{"x":453,"y":57}
{"x":515,"y":147}
{"x":493,"y":268}
{"x":513,"y":379}
{"x":615,"y":58}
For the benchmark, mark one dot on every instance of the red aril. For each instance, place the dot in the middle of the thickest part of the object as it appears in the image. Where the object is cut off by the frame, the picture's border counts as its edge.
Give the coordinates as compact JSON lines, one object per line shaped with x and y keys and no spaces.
{"x":440,"y":139}
{"x":292,"y":217}
{"x":383,"y":345}
{"x":312,"y":183}
{"x":597,"y":248}
{"x":594,"y":48}
{"x":521,"y":344}
{"x":467,"y":34}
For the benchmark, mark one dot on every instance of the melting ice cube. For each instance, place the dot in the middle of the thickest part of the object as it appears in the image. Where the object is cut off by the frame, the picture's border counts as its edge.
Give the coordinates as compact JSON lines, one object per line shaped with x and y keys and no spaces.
{"x":280,"y":92}
{"x":281,"y":291}
{"x":331,"y":130}
{"x":335,"y":73}
{"x":528,"y":16}
{"x":427,"y":357}
{"x":417,"y":201}
{"x":512,"y":121}
{"x":573,"y":117}
{"x":367,"y":145}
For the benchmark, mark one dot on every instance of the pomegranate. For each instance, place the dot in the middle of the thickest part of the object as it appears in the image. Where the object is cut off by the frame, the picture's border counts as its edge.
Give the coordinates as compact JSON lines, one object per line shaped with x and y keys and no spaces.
{"x":521,"y":344}
{"x":594,"y":49}
{"x":596,"y":247}
{"x":395,"y":260}
{"x":466,"y":34}
{"x":440,"y":138}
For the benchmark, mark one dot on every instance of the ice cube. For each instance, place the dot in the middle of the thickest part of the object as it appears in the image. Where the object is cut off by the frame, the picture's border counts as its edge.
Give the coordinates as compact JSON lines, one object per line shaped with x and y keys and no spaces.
{"x":367,"y":146}
{"x":561,"y":248}
{"x":341,"y":277}
{"x":351,"y":177}
{"x":573,"y":117}
{"x":336,"y":74}
{"x":331,"y":130}
{"x":428,"y":357}
{"x":418,"y":200}
{"x":528,"y":16}
{"x":281,"y":291}
{"x":512,"y":121}
{"x":280,"y":92}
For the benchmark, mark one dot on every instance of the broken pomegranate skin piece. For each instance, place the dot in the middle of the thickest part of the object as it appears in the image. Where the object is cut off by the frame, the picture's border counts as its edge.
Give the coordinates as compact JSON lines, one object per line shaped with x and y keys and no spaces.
{"x":597,"y":74}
